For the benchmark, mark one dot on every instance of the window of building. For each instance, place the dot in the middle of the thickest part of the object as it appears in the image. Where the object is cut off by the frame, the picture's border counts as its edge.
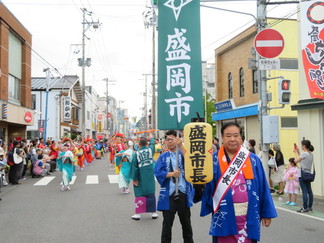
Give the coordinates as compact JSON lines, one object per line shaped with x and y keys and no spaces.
{"x":14,"y":89}
{"x":241,"y":82}
{"x":32,"y":134}
{"x":33,"y":102}
{"x":2,"y":134}
{"x":289,"y":122}
{"x":210,"y":85}
{"x":75,"y":114}
{"x":230,"y":86}
{"x":255,"y":83}
{"x":14,"y":68}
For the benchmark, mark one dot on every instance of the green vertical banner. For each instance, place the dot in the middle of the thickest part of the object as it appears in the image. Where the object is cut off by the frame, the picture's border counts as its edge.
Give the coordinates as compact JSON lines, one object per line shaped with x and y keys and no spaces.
{"x":179,"y":63}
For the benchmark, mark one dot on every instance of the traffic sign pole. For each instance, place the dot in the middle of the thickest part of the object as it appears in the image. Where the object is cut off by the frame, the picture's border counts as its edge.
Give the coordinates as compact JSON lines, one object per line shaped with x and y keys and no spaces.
{"x":261,"y":24}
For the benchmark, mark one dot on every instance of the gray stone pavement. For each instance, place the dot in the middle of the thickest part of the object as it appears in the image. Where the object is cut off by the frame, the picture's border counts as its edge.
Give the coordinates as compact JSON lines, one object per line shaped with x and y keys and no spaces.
{"x":279,"y":201}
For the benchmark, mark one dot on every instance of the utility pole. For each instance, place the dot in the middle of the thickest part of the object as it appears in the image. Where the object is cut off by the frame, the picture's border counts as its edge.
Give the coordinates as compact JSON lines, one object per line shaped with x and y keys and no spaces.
{"x":85,"y":62}
{"x":83,"y":75}
{"x":107,"y":104}
{"x":145,"y":104}
{"x":205,"y":94}
{"x":153,"y":71}
{"x":46,"y":106}
{"x":262,"y":79}
{"x":150,"y":19}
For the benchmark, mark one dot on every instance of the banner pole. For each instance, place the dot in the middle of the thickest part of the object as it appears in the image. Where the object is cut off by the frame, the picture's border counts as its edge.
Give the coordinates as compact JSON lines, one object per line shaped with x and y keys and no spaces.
{"x":177,"y":166}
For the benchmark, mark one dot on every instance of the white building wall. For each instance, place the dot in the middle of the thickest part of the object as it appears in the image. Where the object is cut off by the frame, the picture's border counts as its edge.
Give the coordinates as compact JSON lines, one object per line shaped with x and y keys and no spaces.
{"x":92,"y":107}
{"x":53,"y":116}
{"x":52,"y":113}
{"x":311,"y":127}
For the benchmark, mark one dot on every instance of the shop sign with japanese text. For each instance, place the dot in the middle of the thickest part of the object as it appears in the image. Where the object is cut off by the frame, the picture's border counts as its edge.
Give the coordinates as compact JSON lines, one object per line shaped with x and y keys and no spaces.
{"x":312,"y":39}
{"x":67,"y":109}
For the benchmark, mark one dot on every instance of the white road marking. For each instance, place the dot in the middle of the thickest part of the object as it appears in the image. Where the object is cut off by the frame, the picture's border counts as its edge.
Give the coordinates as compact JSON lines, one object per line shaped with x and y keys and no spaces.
{"x":73,"y":180}
{"x":113,"y":178}
{"x":44,"y":181}
{"x":92,"y":179}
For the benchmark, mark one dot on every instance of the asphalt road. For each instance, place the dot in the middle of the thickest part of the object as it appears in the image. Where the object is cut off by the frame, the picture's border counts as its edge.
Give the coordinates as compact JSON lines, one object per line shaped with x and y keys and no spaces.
{"x":98,"y":212}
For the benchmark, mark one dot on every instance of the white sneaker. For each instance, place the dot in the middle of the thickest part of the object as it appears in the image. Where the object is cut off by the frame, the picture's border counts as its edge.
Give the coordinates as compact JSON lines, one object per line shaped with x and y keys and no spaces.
{"x":155,"y":215}
{"x":125,"y":190}
{"x":68,"y":187}
{"x":136,"y":217}
{"x":62,"y":188}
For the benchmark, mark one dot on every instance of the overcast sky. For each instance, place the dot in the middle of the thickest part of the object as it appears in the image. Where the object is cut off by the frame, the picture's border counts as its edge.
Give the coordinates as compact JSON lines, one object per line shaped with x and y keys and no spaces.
{"x":121,"y":49}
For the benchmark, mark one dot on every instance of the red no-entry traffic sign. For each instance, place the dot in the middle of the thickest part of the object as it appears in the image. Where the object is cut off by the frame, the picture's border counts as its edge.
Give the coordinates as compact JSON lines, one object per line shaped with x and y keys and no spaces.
{"x":269,"y":43}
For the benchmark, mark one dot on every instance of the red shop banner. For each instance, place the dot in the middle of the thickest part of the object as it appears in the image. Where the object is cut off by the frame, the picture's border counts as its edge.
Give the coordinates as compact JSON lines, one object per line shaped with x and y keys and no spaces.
{"x":312,"y":39}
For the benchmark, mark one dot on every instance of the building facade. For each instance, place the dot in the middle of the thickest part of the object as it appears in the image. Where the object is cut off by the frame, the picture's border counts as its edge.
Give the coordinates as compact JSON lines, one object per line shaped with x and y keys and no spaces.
{"x":15,"y":77}
{"x":236,"y":85}
{"x":108,"y":116}
{"x":56,"y":103}
{"x":237,"y":93}
{"x":237,"y":97}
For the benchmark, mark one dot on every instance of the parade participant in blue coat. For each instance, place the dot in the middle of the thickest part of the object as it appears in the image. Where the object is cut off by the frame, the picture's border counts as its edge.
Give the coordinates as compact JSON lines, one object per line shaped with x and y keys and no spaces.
{"x":238,"y":197}
{"x":174,"y":196}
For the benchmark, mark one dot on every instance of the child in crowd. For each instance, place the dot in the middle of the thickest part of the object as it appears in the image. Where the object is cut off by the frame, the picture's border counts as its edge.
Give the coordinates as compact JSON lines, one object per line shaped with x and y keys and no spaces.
{"x":47,"y":159}
{"x":291,"y":175}
{"x":3,"y":164}
{"x":39,"y":167}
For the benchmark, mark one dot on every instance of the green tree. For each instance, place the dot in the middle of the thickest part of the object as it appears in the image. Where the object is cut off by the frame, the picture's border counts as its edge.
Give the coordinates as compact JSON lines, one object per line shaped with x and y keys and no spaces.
{"x":210,"y":109}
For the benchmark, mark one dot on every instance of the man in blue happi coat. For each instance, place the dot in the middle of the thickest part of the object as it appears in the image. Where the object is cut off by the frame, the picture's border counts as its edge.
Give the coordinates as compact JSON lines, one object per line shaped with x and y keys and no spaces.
{"x":175,"y":196}
{"x":238,"y":197}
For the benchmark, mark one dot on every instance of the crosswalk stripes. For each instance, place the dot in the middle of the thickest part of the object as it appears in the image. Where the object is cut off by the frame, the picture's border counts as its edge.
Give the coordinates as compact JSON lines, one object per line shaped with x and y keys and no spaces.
{"x":73,"y":180}
{"x":113,"y":178}
{"x":44,"y":181}
{"x":92,"y":179}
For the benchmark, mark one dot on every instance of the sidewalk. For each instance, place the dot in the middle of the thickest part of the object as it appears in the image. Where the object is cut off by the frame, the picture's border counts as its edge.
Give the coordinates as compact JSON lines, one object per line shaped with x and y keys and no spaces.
{"x":318,"y":205}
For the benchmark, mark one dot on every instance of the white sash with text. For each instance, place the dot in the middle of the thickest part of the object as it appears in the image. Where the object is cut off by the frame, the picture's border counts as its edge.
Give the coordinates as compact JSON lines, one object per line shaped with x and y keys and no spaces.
{"x":227,"y":179}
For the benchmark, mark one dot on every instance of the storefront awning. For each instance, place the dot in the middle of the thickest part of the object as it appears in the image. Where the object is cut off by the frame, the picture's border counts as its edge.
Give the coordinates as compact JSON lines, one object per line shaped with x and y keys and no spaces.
{"x":242,"y":111}
{"x":308,"y":104}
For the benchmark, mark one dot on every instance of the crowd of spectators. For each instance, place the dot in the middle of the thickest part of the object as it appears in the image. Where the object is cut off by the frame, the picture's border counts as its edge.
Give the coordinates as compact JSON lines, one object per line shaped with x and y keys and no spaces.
{"x":36,"y":158}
